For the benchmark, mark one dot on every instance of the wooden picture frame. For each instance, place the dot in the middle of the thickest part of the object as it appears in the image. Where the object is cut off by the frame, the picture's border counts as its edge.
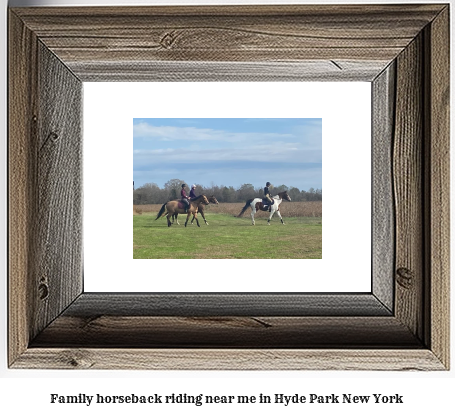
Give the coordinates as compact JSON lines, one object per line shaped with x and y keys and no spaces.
{"x":402,"y":324}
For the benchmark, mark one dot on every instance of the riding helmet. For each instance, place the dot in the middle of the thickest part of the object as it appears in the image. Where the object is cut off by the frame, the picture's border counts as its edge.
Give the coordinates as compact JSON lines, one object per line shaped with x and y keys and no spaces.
{"x":268,"y":184}
{"x":183,"y":185}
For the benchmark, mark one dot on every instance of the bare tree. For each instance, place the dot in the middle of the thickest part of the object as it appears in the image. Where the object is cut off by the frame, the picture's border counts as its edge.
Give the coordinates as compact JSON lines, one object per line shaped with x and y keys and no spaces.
{"x":151,"y":193}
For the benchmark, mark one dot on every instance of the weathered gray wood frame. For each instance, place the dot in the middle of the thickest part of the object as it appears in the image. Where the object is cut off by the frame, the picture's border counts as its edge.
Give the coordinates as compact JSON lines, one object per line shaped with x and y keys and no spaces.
{"x":403,"y":50}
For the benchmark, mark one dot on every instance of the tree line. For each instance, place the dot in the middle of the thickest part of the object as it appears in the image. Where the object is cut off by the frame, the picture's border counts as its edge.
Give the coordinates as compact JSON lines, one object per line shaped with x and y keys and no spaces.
{"x":151,"y":193}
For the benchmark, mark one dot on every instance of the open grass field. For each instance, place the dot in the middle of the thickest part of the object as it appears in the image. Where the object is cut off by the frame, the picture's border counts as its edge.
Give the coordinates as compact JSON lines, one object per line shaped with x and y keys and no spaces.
{"x":227,"y":236}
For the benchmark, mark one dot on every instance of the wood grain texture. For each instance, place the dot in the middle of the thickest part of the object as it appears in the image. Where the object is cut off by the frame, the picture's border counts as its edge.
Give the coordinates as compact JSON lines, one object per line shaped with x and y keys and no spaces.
{"x":256,"y":332}
{"x":58,"y":244}
{"x":213,"y":305}
{"x":44,"y":187}
{"x":438,"y":193}
{"x":408,"y":188}
{"x":229,"y":359}
{"x":383,"y":214}
{"x":308,"y":71}
{"x":22,"y":94}
{"x":227,"y":34}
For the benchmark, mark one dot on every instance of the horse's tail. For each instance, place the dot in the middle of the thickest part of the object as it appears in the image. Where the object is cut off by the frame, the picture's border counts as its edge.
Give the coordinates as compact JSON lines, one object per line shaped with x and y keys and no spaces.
{"x":160,"y":213}
{"x":248,"y":202}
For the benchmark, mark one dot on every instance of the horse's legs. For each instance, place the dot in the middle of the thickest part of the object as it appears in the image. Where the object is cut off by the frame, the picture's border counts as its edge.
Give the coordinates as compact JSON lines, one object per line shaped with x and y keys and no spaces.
{"x":187,"y":218}
{"x":279,"y":215}
{"x":253,"y":211}
{"x":195,"y":217}
{"x":176,"y":216}
{"x":169,"y":223}
{"x":270,"y":217}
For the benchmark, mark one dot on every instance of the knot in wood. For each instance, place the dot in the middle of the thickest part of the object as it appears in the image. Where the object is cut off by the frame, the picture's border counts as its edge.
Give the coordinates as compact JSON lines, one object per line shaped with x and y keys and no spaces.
{"x":43,"y":291}
{"x":405,"y":278}
{"x":168,"y":40}
{"x":53,"y":136}
{"x":76,"y":359}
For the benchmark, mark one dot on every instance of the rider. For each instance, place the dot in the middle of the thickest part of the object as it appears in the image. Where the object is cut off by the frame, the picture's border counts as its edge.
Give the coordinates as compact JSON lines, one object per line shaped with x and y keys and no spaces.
{"x":267,"y":193}
{"x":192,"y":194}
{"x":185,"y":198}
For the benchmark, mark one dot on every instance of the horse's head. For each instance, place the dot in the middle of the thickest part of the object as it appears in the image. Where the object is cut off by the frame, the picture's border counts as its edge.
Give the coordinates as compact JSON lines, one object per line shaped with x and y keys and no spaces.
{"x":204,"y":200}
{"x":212,"y":199}
{"x":284,"y":195}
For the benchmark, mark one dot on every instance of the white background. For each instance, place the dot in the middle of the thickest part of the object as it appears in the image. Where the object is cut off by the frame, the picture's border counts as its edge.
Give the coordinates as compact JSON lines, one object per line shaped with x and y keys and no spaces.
{"x":109,"y":109}
{"x":28,"y":391}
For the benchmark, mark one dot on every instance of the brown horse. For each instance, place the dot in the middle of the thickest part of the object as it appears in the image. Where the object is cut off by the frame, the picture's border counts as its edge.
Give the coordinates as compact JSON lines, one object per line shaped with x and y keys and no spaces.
{"x":211,"y":199}
{"x":173,"y":207}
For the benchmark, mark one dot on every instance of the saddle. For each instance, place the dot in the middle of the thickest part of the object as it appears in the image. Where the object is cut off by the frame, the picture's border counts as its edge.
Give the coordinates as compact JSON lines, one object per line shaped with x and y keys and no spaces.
{"x":266,"y":202}
{"x":181,"y":205}
{"x":265,"y":206}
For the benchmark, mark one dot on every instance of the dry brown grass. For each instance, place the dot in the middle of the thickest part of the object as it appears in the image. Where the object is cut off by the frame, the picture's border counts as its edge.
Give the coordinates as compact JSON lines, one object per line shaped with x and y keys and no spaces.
{"x":147,"y":208}
{"x":287,"y":209}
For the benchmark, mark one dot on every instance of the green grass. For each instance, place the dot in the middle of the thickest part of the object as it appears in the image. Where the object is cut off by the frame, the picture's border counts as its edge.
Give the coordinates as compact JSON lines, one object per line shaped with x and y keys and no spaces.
{"x":227,"y":237}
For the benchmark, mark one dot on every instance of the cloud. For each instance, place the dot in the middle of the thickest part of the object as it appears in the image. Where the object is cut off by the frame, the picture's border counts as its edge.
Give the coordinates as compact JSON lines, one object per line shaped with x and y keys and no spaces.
{"x":171,"y":133}
{"x":267,"y":153}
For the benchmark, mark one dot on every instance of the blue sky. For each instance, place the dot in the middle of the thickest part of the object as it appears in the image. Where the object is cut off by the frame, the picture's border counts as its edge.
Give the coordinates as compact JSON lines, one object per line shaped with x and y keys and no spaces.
{"x":228,"y":151}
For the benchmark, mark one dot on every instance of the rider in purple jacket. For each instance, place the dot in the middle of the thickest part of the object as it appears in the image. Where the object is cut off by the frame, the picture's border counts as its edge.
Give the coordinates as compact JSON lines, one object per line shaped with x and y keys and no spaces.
{"x":192,"y":194}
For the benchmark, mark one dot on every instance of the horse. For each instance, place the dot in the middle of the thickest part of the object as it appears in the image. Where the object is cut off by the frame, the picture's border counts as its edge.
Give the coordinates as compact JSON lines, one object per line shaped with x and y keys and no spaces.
{"x":258,"y":204}
{"x":175,"y":206}
{"x":211,"y":199}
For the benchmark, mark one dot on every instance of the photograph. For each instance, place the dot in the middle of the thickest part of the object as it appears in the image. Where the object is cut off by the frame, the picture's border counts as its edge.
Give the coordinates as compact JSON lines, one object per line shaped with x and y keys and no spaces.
{"x":256,"y":181}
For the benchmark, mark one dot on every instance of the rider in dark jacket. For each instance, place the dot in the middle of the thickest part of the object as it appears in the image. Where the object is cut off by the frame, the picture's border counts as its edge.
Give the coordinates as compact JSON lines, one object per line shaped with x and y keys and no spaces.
{"x":185,"y":198}
{"x":267,"y":194}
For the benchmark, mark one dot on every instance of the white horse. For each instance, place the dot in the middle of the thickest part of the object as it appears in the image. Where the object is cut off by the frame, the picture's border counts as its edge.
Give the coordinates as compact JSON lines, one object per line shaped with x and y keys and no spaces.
{"x":257,"y":204}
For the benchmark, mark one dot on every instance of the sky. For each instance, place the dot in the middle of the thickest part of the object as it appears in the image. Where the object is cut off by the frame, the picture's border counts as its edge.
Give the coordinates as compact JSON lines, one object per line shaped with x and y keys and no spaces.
{"x":228,"y":151}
